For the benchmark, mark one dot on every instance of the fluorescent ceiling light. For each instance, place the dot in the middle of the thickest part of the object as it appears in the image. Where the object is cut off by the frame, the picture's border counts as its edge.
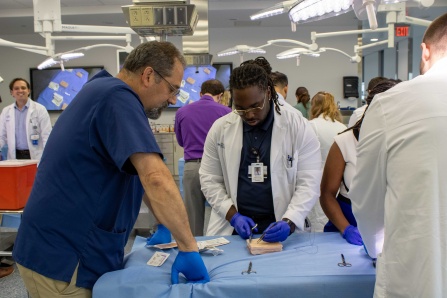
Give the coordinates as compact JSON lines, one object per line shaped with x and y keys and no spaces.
{"x":425,"y":3}
{"x":374,"y":39}
{"x":274,"y":10}
{"x":313,"y":10}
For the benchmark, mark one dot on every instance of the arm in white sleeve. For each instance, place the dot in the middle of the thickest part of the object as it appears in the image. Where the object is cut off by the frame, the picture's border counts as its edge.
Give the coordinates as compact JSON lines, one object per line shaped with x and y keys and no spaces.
{"x":308,"y":177}
{"x":45,"y":126}
{"x":3,"y":138}
{"x":211,"y":174}
{"x":369,"y":184}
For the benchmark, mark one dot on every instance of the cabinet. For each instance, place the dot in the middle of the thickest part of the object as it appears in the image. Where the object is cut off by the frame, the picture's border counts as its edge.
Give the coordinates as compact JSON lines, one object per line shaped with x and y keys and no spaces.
{"x":170,"y":149}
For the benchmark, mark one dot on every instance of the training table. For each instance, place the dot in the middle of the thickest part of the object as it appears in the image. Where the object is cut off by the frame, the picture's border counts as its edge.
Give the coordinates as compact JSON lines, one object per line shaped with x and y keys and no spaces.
{"x":308,"y":266}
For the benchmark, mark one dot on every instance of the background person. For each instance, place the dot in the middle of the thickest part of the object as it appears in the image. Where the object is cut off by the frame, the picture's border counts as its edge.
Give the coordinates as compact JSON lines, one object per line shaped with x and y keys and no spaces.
{"x":260,"y":133}
{"x":358,"y":113}
{"x":399,"y":194}
{"x":24,"y":125}
{"x":281,"y":84}
{"x":192,"y":123}
{"x":326,"y":122}
{"x":302,"y":101}
{"x":99,"y":160}
{"x":338,"y":173}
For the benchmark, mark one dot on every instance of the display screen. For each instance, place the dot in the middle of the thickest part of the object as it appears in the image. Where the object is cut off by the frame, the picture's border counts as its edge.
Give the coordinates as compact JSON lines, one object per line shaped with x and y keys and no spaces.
{"x":193,"y":78}
{"x":55,"y":88}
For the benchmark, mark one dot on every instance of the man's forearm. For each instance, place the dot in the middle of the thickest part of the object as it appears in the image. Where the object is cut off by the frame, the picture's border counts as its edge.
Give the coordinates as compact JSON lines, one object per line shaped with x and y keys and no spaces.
{"x":164,"y":198}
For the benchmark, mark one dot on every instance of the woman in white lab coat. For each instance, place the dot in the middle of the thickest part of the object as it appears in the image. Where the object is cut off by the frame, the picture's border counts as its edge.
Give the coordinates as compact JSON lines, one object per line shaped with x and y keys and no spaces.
{"x":37,"y":122}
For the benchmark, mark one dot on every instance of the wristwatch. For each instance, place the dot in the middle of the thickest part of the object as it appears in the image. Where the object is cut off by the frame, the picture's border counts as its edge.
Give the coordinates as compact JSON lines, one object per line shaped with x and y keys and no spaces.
{"x":291,"y":225}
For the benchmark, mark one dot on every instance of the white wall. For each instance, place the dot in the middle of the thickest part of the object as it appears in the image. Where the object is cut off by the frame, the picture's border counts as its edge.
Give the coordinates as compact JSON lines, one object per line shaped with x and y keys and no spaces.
{"x":317,"y":74}
{"x":324,"y":73}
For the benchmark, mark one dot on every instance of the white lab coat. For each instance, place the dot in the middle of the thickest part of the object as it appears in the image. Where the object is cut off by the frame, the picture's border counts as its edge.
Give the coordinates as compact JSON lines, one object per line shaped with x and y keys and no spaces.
{"x":37,"y":115}
{"x":399,"y":194}
{"x":295,"y":189}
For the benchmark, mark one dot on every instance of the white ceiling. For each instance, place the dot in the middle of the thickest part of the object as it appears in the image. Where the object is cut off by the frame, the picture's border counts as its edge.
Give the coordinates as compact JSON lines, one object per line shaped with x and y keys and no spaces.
{"x":16,"y":16}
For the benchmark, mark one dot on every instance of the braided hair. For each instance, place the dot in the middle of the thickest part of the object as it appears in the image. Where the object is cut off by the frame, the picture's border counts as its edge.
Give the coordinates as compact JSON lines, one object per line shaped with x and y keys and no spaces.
{"x":255,"y":73}
{"x":382,"y":86}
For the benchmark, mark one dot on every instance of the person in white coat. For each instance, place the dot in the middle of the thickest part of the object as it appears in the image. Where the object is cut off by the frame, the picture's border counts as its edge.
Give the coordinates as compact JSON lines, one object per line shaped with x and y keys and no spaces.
{"x":326,"y":122}
{"x":261,"y":164}
{"x":399,"y":193}
{"x":24,"y":125}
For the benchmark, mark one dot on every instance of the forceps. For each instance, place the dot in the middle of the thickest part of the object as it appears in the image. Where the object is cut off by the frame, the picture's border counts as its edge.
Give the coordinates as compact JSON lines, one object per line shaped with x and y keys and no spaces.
{"x":343,"y":262}
{"x":265,"y":232}
{"x":251,"y":235}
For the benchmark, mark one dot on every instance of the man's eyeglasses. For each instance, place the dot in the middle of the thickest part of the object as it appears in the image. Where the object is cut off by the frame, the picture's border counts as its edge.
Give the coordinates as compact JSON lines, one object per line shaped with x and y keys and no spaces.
{"x":174,"y":91}
{"x":254,"y":110}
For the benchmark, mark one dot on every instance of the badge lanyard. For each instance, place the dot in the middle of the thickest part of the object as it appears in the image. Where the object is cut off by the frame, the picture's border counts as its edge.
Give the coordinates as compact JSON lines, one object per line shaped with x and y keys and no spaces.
{"x":257,"y":170}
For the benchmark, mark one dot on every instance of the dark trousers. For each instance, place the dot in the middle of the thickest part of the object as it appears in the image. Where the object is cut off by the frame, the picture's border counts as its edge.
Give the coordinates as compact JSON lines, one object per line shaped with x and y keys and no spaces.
{"x":23,"y":154}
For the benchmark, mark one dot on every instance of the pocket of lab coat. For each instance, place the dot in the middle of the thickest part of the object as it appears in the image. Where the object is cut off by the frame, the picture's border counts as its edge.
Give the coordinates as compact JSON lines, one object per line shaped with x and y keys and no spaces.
{"x":291,"y":168}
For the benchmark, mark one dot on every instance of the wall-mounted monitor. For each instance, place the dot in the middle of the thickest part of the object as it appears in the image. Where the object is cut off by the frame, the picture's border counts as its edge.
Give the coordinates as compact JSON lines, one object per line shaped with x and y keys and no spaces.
{"x":55,"y":88}
{"x":194,"y":76}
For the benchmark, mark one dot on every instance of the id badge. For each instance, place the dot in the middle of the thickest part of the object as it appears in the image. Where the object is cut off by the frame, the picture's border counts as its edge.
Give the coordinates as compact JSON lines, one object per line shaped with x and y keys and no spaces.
{"x":35,"y":139}
{"x":257,"y":172}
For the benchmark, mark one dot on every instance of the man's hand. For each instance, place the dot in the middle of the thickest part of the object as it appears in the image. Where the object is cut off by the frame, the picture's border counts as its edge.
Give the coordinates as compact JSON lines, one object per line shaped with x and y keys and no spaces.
{"x":277,"y":232}
{"x":352,"y":235}
{"x":242,"y":225}
{"x":162,"y":235}
{"x":192,"y":267}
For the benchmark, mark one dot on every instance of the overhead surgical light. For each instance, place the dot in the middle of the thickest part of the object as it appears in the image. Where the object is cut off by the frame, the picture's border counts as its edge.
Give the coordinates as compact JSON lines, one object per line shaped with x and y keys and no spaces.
{"x":241,"y":49}
{"x":291,"y":53}
{"x":304,"y":11}
{"x":274,"y":10}
{"x":297,"y":52}
{"x":311,"y":10}
{"x":59,"y":59}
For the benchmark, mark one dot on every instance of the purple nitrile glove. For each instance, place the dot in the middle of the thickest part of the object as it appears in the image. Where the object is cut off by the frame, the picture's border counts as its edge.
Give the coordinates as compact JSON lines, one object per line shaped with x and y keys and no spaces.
{"x":162,"y":235}
{"x":277,"y":232}
{"x":192,"y":267}
{"x":242,"y":225}
{"x":352,"y":235}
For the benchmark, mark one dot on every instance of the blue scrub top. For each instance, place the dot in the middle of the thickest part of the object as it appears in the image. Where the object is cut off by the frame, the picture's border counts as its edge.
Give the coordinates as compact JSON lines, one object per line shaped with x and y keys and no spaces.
{"x":86,"y":195}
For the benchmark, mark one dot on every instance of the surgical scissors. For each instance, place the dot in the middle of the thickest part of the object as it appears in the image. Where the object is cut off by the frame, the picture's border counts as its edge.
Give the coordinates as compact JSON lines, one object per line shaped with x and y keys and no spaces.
{"x":343,"y":262}
{"x":249,"y":270}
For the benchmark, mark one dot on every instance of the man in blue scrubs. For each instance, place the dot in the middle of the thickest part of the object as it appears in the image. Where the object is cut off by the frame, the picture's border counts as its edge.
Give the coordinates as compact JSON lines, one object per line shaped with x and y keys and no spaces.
{"x":99,"y":160}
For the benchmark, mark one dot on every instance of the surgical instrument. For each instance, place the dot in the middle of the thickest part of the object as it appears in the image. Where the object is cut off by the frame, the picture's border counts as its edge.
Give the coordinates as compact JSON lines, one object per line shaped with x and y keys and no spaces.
{"x":265,"y":232}
{"x":248,"y":271}
{"x":251,"y":234}
{"x":343,"y":262}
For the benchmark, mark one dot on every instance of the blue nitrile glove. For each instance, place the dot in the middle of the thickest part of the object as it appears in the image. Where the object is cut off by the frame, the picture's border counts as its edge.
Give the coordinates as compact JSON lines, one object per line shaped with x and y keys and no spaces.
{"x":242,"y":225}
{"x":352,"y":235}
{"x":162,"y":235}
{"x":277,"y":232}
{"x":192,"y":267}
